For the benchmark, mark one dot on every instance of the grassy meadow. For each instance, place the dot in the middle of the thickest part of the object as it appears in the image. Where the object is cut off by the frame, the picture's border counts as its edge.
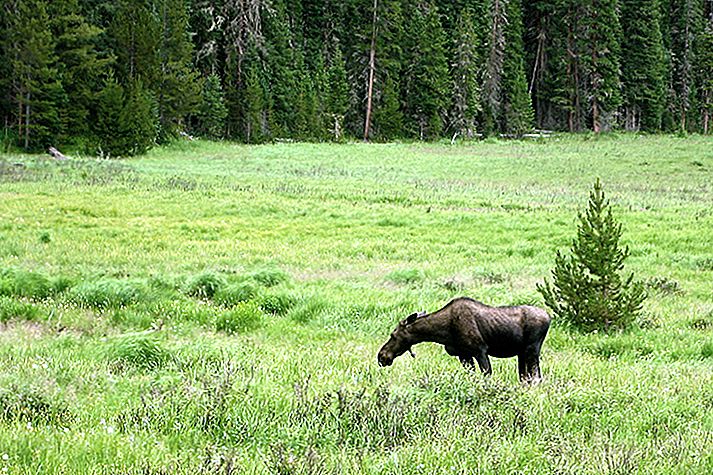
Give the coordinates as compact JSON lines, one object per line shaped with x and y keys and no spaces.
{"x":217,"y":308}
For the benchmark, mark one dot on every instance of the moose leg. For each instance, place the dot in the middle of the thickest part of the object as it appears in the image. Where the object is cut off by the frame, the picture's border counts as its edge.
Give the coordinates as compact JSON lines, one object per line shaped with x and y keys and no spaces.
{"x":467,"y":362}
{"x":484,"y":363}
{"x":529,"y":365}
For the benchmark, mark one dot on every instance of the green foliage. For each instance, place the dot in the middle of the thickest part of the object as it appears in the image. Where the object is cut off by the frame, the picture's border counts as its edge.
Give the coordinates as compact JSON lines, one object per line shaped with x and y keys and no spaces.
{"x":516,"y":115}
{"x":405,"y":276}
{"x":127,"y":123}
{"x":136,"y":350}
{"x":270,"y":277}
{"x":424,"y":81}
{"x":212,"y":112}
{"x":205,"y":285}
{"x":244,"y":317}
{"x":277,"y":303}
{"x":233,"y":294}
{"x":587,"y":290}
{"x":108,"y":293}
{"x":22,"y":283}
{"x":13,"y":309}
{"x":643,"y":66}
{"x":34,"y":87}
{"x":178,"y":90}
{"x":467,"y":76}
{"x":32,"y":406}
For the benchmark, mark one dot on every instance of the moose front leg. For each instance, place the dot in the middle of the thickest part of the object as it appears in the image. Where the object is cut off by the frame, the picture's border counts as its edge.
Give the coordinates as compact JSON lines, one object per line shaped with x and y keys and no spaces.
{"x":467,"y":362}
{"x":484,"y":363}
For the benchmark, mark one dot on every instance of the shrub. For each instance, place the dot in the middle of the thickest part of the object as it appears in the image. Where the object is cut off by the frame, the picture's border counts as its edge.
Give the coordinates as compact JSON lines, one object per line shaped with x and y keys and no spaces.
{"x":11,"y":308}
{"x":236,"y":293}
{"x":588,"y":291}
{"x":244,"y":317}
{"x":107,"y":293}
{"x":277,"y":303}
{"x":270,"y":277}
{"x":205,"y":285}
{"x":139,"y":350}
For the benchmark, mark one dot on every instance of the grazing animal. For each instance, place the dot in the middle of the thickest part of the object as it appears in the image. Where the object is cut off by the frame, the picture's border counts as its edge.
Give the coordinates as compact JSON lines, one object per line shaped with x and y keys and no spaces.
{"x":472,"y":331}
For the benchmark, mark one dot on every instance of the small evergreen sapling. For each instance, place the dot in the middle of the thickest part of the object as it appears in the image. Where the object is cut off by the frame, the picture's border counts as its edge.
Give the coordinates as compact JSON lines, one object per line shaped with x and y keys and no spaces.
{"x":588,"y":290}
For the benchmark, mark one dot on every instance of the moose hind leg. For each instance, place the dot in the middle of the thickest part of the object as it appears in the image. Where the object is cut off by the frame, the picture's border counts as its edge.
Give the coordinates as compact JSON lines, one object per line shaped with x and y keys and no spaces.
{"x":529,"y":365}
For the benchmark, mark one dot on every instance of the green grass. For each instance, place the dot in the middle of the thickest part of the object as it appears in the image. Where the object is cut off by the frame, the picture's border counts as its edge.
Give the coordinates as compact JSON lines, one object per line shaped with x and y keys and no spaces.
{"x":217,"y":308}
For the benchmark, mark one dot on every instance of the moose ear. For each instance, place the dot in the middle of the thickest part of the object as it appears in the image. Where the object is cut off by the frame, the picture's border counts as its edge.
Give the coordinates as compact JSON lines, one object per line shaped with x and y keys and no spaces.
{"x":410,"y":319}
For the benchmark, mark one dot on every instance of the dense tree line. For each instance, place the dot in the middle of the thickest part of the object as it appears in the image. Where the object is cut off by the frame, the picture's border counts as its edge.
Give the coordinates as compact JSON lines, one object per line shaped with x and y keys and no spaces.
{"x":120,"y":76}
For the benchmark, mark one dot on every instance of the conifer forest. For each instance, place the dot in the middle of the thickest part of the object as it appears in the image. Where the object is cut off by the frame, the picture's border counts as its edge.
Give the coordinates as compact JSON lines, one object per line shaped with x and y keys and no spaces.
{"x":117,"y":77}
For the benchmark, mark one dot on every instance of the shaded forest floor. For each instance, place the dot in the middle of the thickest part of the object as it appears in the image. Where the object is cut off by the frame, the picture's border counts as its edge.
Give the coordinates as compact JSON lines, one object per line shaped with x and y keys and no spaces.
{"x":217,"y":308}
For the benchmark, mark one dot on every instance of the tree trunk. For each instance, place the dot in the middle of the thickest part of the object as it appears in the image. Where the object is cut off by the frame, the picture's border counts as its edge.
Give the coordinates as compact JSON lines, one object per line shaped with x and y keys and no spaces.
{"x":27,"y":121}
{"x":372,"y":67}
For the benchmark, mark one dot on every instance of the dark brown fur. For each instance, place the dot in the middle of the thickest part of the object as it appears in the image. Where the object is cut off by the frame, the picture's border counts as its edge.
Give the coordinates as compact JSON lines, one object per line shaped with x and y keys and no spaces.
{"x":472,"y":331}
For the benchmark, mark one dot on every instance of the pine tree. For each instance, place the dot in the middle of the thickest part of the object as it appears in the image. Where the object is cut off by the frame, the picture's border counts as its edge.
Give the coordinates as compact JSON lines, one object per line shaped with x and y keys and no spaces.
{"x":686,"y":26}
{"x":388,"y":120}
{"x":642,"y":65}
{"x":601,"y":61}
{"x":212,"y":111}
{"x":425,"y":77}
{"x":467,"y":76}
{"x":178,"y":89}
{"x":281,"y":67}
{"x":35,"y":90}
{"x":138,"y":121}
{"x":253,"y":103}
{"x":705,"y":71}
{"x":135,"y":38}
{"x":588,"y":290}
{"x":107,"y":127}
{"x":336,"y":101}
{"x":516,"y":116}
{"x":126,"y":120}
{"x":494,"y":64}
{"x":81,"y":66}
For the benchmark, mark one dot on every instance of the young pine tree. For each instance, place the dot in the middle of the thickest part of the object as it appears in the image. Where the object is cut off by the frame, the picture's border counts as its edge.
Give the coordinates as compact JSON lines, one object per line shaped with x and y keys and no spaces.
{"x":588,"y":290}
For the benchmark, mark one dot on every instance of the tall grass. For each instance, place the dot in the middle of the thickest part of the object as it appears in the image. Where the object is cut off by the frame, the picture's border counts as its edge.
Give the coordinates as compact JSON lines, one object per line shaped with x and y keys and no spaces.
{"x":215,"y":308}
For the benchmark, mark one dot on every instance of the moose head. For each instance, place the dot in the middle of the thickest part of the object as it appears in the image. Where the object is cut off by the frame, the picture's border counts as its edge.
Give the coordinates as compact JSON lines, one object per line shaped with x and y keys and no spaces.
{"x":400,"y":341}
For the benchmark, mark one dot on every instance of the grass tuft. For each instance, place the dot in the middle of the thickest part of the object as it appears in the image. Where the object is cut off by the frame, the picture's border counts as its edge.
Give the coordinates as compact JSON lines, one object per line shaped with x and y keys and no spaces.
{"x":277,"y":303}
{"x":205,"y":285}
{"x":108,"y":293}
{"x":270,"y":277}
{"x":234,"y":294}
{"x":136,"y":350}
{"x":12,"y":309}
{"x":405,"y":276}
{"x":32,"y":406}
{"x":27,"y":284}
{"x":244,"y":317}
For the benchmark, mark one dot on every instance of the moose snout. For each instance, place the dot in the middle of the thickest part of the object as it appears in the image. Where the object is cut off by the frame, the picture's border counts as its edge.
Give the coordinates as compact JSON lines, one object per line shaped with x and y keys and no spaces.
{"x":384,"y":359}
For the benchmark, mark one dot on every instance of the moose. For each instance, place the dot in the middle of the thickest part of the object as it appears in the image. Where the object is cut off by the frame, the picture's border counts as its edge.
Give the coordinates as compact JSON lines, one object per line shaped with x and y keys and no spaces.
{"x":472,"y":331}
